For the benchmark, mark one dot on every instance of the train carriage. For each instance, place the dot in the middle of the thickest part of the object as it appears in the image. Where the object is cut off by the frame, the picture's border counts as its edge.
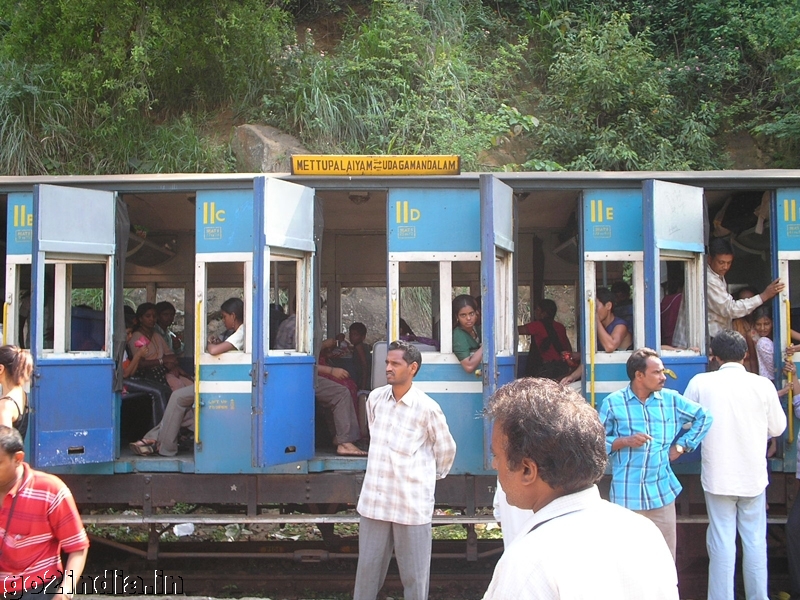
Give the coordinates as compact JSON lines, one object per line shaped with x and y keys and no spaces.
{"x":506,"y":237}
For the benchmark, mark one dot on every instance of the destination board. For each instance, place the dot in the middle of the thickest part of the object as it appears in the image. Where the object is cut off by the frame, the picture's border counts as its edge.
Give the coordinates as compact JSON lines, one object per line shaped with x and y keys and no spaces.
{"x":349,"y":165}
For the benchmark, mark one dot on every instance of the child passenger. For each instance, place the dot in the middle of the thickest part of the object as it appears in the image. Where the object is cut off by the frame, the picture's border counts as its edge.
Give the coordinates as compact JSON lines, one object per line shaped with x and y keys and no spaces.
{"x":362,"y":356}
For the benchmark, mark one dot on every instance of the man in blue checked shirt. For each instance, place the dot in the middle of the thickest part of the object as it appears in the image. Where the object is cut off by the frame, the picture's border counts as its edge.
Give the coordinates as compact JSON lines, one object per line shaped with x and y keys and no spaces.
{"x":644,"y":426}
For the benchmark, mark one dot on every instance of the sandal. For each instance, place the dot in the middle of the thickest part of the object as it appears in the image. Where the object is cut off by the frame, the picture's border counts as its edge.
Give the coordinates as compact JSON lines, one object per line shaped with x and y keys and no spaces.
{"x":142,"y":448}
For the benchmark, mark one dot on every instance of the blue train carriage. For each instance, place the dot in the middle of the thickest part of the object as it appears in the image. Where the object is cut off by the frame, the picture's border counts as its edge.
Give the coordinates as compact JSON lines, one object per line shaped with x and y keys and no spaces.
{"x":464,"y":237}
{"x":644,"y":232}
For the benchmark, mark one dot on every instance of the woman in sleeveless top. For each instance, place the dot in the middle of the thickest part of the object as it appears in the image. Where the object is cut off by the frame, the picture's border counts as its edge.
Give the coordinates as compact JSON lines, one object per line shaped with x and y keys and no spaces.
{"x":16,"y":368}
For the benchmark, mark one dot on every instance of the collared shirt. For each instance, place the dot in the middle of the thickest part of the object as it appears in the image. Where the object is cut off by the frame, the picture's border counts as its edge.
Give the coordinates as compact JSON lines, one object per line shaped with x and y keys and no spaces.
{"x":411,"y":447}
{"x":642,"y":478}
{"x":722,"y":308}
{"x":45,"y":521}
{"x":747,"y":412}
{"x":563,"y":558}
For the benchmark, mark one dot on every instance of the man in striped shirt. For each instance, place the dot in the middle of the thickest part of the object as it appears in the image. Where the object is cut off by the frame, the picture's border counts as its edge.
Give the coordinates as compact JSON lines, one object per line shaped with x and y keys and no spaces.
{"x":38,"y":519}
{"x":644,"y":426}
{"x":411,"y":447}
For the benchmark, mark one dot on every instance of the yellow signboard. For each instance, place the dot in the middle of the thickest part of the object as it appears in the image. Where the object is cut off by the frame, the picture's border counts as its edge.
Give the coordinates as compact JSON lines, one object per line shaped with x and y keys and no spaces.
{"x":350,"y":165}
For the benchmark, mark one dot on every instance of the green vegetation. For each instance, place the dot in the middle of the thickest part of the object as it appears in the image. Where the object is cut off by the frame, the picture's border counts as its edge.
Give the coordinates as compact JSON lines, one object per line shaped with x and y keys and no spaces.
{"x":88,"y":86}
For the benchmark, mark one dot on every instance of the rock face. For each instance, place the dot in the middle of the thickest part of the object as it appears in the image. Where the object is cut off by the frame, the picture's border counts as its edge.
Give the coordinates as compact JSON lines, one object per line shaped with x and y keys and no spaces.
{"x":264,"y":149}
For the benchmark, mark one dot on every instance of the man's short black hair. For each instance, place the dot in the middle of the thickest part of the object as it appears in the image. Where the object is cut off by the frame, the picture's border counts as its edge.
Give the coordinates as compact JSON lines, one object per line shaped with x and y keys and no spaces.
{"x":719,"y":245}
{"x":10,"y":440}
{"x":621,"y":287}
{"x":729,"y":346}
{"x":637,"y":361}
{"x":411,"y":353}
{"x":554,"y":427}
{"x":605,"y":295}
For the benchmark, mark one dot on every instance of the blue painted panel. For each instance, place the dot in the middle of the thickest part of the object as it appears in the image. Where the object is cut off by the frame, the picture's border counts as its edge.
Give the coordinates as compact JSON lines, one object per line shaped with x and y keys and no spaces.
{"x":612,"y":220}
{"x":222,"y":372}
{"x":59,"y":429}
{"x":439,"y":372}
{"x":788,"y":218}
{"x":433,"y":220}
{"x":610,"y":372}
{"x":225,"y":426}
{"x":685,"y":368}
{"x":463,"y":414}
{"x":19,"y":235}
{"x":288,"y":411}
{"x":224,"y":221}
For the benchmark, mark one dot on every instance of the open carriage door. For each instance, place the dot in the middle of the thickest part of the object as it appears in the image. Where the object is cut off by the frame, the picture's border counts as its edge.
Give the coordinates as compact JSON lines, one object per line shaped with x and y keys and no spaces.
{"x":497,"y":291}
{"x":611,"y":222}
{"x":284,"y":378}
{"x":73,"y":241}
{"x":674,"y":246}
{"x":786,"y":240}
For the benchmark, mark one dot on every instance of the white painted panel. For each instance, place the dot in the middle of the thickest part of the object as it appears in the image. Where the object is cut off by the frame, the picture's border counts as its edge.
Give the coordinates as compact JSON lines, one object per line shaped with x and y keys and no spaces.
{"x":76,"y":220}
{"x":289,"y":215}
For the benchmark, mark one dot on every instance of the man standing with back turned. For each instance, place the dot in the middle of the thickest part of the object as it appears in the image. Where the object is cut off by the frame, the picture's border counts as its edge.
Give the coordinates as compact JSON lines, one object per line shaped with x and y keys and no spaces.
{"x":411,"y":448}
{"x":747,"y":413}
{"x":643,"y":423}
{"x":549,"y":452}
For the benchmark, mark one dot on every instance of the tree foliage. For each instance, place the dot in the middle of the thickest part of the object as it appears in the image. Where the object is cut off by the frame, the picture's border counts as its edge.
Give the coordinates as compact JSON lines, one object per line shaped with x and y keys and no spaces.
{"x":90,"y":86}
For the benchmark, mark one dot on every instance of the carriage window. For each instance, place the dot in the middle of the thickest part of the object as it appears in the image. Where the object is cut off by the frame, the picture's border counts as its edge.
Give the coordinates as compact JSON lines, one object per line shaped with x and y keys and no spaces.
{"x":288,"y":314}
{"x":681,"y":318}
{"x":75,"y":307}
{"x":133,"y":297}
{"x":225,"y":280}
{"x":366,"y":305}
{"x":617,"y":293}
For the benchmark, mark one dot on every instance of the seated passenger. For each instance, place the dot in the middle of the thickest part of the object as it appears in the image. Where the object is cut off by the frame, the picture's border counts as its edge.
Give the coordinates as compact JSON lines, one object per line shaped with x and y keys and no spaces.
{"x":331,"y":395}
{"x":233,"y":318}
{"x":161,"y":364}
{"x":16,"y":368}
{"x":163,"y":438}
{"x":284,"y":337}
{"x":549,"y":342}
{"x":165,"y":317}
{"x":623,"y":305}
{"x":159,"y":393}
{"x":467,"y":333}
{"x":362,"y":356}
{"x":612,"y":333}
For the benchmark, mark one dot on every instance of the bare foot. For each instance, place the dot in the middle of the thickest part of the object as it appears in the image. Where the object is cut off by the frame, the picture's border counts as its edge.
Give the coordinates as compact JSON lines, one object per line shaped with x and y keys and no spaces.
{"x":349,"y":449}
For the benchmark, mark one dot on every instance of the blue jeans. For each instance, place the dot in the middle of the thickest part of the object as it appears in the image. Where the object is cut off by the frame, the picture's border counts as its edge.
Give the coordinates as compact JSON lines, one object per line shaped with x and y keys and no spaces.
{"x":726,"y":515}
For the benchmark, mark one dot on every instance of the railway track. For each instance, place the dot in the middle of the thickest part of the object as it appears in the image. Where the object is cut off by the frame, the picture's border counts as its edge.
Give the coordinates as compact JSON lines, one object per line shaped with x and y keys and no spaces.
{"x":295,"y":570}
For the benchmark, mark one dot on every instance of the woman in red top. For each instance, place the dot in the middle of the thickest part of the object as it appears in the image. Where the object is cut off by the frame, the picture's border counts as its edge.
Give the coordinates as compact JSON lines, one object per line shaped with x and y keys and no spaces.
{"x":549,"y":343}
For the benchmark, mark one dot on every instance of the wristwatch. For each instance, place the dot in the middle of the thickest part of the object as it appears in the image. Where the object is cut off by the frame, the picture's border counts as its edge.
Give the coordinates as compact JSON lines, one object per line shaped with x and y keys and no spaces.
{"x":680,"y":448}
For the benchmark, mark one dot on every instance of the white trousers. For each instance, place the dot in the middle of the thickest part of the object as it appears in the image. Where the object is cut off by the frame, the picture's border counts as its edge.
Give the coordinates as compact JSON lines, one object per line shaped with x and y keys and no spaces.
{"x":726,"y":515}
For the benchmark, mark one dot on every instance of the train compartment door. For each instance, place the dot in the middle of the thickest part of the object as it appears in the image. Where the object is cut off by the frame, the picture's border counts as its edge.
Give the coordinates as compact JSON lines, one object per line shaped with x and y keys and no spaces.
{"x":224,"y":398}
{"x":284,"y":376}
{"x":72,"y":397}
{"x":786,"y":239}
{"x":434,"y":253}
{"x":612,"y":254}
{"x":497,"y":291}
{"x":674,"y":288}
